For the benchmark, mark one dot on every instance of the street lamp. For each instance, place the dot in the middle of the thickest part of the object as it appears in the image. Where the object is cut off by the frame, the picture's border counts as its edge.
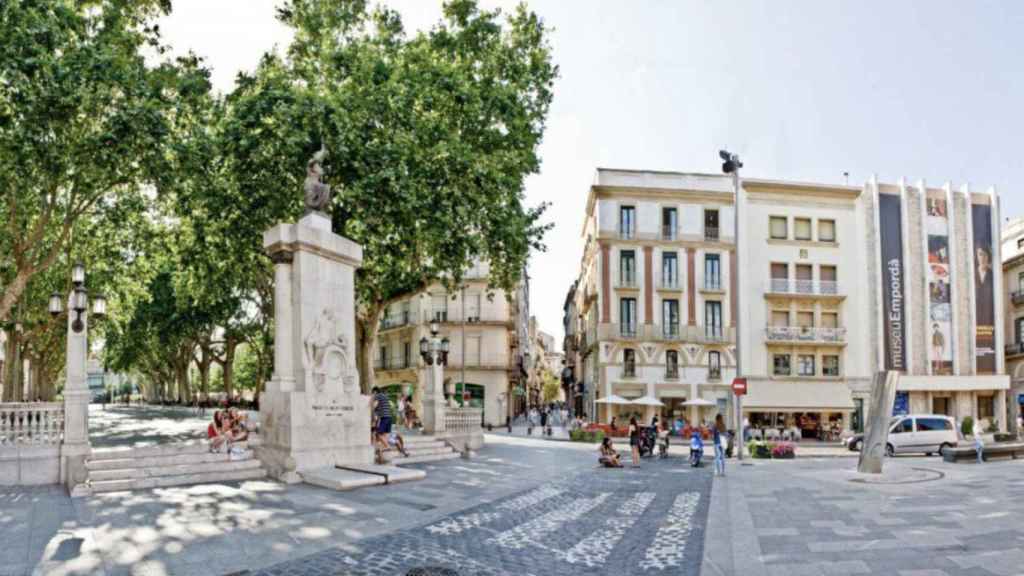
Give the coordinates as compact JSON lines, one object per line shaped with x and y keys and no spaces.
{"x":78,"y":302}
{"x":731,"y":164}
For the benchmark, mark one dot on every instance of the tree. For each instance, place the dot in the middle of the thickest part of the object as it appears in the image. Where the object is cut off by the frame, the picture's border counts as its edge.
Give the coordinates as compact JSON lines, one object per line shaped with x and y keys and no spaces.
{"x":551,"y":387}
{"x":83,"y":120}
{"x":430,"y":137}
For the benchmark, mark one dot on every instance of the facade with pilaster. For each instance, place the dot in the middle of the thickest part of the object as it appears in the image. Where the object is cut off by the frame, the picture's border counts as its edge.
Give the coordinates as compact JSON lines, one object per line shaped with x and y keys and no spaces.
{"x":1013,"y":304}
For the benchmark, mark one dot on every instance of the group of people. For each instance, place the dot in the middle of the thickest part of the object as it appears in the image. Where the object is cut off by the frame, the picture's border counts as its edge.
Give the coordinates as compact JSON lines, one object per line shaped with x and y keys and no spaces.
{"x":228,"y":426}
{"x":609,"y":458}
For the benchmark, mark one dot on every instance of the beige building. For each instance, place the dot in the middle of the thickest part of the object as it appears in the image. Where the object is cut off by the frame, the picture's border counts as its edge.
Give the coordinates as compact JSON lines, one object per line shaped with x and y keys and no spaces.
{"x":653,"y":298}
{"x":838,"y":282}
{"x":1013,"y":304}
{"x":483,"y":340}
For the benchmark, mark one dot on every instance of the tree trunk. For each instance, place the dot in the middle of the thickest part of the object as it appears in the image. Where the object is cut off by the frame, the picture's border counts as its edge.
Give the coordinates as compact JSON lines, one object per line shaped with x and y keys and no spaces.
{"x":204,"y":362}
{"x":367,"y":345}
{"x":9,"y":375}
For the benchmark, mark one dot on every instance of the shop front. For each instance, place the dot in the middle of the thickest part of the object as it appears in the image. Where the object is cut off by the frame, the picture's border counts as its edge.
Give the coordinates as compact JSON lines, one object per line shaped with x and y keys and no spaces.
{"x":799,"y":410}
{"x":983,"y":398}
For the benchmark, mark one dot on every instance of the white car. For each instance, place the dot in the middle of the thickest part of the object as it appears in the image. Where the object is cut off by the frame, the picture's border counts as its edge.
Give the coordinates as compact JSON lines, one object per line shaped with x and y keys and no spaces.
{"x":927,"y":433}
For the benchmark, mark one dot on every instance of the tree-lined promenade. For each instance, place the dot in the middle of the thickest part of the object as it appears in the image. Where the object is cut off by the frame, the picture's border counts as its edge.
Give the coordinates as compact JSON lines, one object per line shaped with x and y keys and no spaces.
{"x":116,"y":154}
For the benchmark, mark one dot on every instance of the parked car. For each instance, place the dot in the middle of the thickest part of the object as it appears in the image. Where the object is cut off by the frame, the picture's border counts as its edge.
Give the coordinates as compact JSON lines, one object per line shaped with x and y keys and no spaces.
{"x":927,"y":433}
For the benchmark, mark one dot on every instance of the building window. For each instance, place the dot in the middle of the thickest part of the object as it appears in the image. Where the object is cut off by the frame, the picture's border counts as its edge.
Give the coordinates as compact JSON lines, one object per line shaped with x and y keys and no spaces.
{"x":780,"y":364}
{"x":669,"y":270}
{"x":669,"y":223}
{"x":780,"y":318}
{"x":830,"y":365}
{"x":1020,"y":244}
{"x":439,"y":303}
{"x":826,"y":230}
{"x":985,"y":407}
{"x":1018,"y":329}
{"x":777,"y":227}
{"x":713,"y":319}
{"x":670,"y":318}
{"x":829,"y":320}
{"x":827,"y":283}
{"x":802,"y":228}
{"x":1020,"y":281}
{"x":383,"y":356}
{"x":711,"y":224}
{"x":627,"y":221}
{"x":627,"y":316}
{"x":805,"y":319}
{"x":627,"y":268}
{"x":805,"y":278}
{"x":714,"y":365}
{"x":712,"y":272}
{"x":629,"y":362}
{"x":406,"y":354}
{"x":671,"y":364}
{"x":780,"y":277}
{"x":805,"y":363}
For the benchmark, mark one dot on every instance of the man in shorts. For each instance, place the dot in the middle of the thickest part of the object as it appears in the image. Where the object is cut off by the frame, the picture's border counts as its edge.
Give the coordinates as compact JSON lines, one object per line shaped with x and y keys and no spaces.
{"x":382,"y":412}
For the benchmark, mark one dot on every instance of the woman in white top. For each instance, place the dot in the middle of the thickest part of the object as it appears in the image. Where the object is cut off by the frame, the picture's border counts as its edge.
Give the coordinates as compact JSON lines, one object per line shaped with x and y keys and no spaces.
{"x":979,"y":445}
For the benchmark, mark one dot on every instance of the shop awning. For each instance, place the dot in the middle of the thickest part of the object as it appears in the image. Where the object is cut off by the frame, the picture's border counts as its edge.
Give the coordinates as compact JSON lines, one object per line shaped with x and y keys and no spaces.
{"x":789,"y":396}
{"x":953,"y":383}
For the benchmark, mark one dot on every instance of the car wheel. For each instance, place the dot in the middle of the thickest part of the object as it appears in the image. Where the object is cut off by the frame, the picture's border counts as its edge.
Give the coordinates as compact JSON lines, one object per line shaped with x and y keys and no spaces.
{"x":928,"y":454}
{"x":889,"y":450}
{"x":942,"y":449}
{"x":855,"y":446}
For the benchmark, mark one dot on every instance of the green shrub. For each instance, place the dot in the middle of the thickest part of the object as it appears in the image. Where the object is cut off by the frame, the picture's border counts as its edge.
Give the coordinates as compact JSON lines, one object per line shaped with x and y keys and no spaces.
{"x":597,"y":436}
{"x":967,"y":426}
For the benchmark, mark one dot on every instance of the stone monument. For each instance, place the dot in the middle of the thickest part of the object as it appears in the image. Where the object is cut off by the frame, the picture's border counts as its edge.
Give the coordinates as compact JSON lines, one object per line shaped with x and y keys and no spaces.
{"x":313,"y":413}
{"x":876,"y":427}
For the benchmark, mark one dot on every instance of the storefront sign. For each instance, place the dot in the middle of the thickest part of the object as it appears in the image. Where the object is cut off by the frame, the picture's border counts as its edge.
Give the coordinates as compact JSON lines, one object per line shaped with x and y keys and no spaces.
{"x":984,"y":290}
{"x":901,"y":406}
{"x":891,"y":237}
{"x":940,"y":310}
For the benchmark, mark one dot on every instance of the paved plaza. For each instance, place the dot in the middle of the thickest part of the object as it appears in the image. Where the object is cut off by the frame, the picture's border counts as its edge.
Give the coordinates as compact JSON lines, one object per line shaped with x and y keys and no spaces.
{"x":528,"y":506}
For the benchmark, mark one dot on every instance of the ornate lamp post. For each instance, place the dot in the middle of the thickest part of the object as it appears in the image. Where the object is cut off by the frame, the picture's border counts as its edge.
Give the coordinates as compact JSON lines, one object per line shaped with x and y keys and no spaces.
{"x":76,"y":448}
{"x":434,"y":352}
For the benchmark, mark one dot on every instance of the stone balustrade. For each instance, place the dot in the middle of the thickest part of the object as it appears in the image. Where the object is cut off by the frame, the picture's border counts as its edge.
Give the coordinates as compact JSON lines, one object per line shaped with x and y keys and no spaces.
{"x":37,"y":423}
{"x":462,"y":420}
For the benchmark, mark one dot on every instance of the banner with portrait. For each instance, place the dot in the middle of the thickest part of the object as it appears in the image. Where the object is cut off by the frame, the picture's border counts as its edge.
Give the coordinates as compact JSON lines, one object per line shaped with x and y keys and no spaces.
{"x":984,"y":289}
{"x":890,"y":231}
{"x":940,"y":309}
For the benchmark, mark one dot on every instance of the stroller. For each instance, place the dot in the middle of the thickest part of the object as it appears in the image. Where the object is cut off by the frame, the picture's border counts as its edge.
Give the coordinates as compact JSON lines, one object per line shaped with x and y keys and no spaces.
{"x":648,"y":437}
{"x":696,"y":449}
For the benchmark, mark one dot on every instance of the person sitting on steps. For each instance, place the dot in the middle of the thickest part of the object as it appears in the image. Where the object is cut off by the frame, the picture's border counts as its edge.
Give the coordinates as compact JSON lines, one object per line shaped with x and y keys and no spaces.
{"x":609,"y":458}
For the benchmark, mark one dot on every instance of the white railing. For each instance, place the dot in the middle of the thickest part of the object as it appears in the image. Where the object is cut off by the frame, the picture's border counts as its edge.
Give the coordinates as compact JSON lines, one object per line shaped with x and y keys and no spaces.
{"x":462,"y":420}
{"x":39,"y":423}
{"x":805,"y":334}
{"x":810,"y":287}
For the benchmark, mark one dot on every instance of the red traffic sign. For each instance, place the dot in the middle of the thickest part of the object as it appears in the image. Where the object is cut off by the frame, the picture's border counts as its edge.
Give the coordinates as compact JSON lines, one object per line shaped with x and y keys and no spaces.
{"x":739,"y":386}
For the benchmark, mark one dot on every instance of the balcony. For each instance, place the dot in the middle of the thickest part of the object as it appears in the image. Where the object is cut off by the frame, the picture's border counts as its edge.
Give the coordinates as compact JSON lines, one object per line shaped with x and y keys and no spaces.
{"x":627,"y":233}
{"x":626,"y":282}
{"x":668,"y":233}
{"x":669,"y":283}
{"x":712,"y":285}
{"x":628,"y":331}
{"x":629,"y":370}
{"x":714,"y":373}
{"x":1014,"y":349}
{"x":711,"y":233}
{"x":713,"y":334}
{"x":672,"y":373}
{"x":393,"y":364}
{"x":395,"y":320}
{"x":1017,"y":298}
{"x":670,"y":332}
{"x":805,"y":335}
{"x":804,"y":288}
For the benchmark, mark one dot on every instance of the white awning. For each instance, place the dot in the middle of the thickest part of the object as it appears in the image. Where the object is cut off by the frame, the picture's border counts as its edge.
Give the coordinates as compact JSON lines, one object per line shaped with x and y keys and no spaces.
{"x":802,"y":396}
{"x":953,"y":383}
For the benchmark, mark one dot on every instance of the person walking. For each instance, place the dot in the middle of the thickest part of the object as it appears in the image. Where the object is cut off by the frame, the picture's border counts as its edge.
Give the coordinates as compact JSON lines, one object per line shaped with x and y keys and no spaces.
{"x":719,"y":438}
{"x":979,"y":445}
{"x":634,"y":441}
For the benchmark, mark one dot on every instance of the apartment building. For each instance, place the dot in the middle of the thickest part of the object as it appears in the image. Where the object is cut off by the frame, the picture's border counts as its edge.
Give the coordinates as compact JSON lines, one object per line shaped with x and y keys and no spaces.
{"x":653,"y":299}
{"x":485,"y":362}
{"x":804,"y":347}
{"x":838,"y":282}
{"x":1013,"y":304}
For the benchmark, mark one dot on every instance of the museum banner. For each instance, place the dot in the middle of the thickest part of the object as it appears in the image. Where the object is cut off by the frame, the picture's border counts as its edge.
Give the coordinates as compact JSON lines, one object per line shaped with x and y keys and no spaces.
{"x":891,"y":247}
{"x":984,"y":290}
{"x":940,"y":309}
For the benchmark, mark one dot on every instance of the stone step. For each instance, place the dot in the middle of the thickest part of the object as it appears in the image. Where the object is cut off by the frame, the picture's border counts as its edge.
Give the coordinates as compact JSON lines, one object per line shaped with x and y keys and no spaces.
{"x":154,"y":461}
{"x":178,"y":480}
{"x":417,"y":452}
{"x":422,"y":459}
{"x":427,"y":444}
{"x":161,"y":451}
{"x":173,"y":470}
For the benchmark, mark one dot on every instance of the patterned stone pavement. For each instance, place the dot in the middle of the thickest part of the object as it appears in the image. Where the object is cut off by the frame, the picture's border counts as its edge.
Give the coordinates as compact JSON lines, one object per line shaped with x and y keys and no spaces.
{"x":630,"y":521}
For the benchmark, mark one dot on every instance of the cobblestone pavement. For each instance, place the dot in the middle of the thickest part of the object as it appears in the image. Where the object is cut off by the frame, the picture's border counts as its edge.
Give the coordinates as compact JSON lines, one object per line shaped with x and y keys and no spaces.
{"x":630,"y":521}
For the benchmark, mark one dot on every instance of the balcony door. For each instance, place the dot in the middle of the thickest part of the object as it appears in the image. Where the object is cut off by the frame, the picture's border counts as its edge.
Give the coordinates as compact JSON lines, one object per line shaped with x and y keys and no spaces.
{"x":627,"y":267}
{"x":712,"y":272}
{"x":669,"y":269}
{"x":713,"y":319}
{"x":780,"y":277}
{"x":670,"y":317}
{"x":627,"y":316}
{"x":669,"y":223}
{"x":805,"y":278}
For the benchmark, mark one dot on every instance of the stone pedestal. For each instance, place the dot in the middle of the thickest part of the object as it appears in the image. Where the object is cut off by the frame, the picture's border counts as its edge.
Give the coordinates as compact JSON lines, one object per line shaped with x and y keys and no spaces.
{"x":433,"y":401}
{"x":313,"y":413}
{"x":75,"y":448}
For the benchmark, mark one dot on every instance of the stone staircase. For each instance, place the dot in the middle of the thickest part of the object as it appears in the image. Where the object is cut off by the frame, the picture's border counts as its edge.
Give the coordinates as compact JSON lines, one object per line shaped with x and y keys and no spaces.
{"x":421,"y":448}
{"x":114,"y":469}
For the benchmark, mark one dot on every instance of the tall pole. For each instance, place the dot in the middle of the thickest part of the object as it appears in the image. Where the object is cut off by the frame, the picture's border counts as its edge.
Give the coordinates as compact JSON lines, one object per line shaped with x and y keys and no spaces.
{"x":739,"y":310}
{"x":462,"y":373}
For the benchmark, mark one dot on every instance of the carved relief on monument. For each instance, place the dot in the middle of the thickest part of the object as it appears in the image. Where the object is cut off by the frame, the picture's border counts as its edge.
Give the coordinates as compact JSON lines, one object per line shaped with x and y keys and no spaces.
{"x":326,"y":357}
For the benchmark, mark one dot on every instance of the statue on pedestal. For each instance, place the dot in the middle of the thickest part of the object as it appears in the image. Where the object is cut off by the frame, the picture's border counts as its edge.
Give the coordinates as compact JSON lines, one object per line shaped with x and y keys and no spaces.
{"x":318,"y":194}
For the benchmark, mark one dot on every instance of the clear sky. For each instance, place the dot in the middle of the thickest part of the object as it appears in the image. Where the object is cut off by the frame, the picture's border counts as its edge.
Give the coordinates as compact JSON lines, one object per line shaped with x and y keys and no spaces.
{"x":801,"y":90}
